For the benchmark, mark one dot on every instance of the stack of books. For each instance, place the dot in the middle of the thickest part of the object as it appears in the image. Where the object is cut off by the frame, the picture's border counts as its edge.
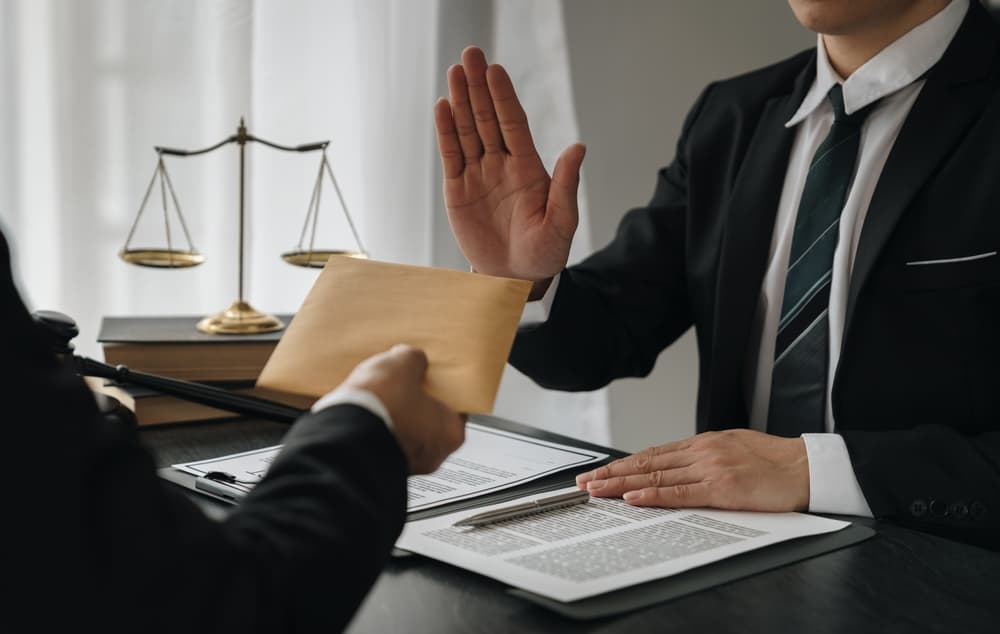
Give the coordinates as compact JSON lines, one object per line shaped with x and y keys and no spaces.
{"x":173,"y":347}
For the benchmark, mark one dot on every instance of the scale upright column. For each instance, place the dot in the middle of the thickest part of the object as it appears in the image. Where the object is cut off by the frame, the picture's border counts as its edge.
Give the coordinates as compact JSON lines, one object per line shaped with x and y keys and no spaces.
{"x":240,"y":318}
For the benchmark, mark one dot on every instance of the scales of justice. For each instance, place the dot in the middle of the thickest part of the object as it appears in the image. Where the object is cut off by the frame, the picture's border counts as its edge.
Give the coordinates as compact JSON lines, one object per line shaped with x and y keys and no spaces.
{"x":240,"y":317}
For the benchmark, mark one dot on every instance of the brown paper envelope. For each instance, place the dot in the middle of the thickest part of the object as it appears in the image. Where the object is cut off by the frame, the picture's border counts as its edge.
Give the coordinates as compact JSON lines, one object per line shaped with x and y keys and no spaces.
{"x":465,"y":322}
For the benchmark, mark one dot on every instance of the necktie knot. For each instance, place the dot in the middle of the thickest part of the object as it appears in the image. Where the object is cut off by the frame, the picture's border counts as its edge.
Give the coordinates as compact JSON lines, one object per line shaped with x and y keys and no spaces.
{"x":836,"y":98}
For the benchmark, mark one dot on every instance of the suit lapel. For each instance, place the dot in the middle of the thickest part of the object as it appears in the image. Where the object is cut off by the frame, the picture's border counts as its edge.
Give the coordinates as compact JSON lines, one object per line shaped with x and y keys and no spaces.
{"x":952,"y":96}
{"x":746,"y":243}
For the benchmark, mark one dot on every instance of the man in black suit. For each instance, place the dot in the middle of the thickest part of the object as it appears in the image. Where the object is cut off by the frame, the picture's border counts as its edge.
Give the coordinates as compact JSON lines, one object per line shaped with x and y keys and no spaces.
{"x":94,"y":541}
{"x":829,"y":226}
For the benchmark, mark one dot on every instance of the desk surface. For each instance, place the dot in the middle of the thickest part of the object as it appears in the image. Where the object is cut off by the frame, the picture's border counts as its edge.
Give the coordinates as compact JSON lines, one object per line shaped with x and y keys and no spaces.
{"x":901,"y":580}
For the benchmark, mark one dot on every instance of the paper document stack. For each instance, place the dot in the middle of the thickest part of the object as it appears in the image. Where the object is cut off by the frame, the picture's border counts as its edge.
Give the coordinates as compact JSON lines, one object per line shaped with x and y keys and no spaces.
{"x":588,"y":549}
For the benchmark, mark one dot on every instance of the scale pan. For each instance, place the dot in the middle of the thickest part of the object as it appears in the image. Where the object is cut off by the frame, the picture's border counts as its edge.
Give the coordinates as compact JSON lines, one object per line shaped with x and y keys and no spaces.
{"x":317,"y":259}
{"x":162,"y":258}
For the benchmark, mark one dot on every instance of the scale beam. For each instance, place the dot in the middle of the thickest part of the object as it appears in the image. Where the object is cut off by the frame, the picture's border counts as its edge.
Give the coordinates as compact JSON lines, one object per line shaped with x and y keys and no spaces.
{"x":240,"y":317}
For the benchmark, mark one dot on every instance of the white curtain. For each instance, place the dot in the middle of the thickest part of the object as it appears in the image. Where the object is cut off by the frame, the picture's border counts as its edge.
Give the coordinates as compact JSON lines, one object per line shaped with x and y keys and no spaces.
{"x":530,"y":41}
{"x":87,"y":88}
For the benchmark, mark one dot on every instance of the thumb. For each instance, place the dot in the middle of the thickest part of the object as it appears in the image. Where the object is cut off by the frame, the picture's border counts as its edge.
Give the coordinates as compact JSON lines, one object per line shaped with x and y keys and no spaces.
{"x":565,"y":183}
{"x":413,"y":361}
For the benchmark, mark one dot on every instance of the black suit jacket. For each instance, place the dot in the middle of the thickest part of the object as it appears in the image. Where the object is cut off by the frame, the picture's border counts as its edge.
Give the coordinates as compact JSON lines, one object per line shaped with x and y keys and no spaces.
{"x":92,"y":535}
{"x":916,"y":395}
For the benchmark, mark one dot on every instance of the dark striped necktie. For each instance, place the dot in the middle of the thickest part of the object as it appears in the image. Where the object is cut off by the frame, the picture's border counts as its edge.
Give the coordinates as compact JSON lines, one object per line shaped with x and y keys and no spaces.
{"x":802,"y":347}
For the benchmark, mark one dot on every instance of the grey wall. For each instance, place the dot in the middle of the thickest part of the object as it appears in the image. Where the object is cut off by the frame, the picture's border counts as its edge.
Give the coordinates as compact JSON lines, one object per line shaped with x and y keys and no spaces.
{"x":637,"y":67}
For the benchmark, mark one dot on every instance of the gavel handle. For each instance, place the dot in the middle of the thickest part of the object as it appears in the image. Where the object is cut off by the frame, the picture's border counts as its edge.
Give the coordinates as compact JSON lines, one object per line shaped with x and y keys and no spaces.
{"x":190,"y":391}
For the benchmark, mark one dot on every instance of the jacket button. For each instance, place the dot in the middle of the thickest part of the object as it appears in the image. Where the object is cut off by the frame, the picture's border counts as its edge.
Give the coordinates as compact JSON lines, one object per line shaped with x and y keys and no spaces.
{"x":977,"y":510}
{"x":938,"y":508}
{"x":918,"y":508}
{"x":959,"y":510}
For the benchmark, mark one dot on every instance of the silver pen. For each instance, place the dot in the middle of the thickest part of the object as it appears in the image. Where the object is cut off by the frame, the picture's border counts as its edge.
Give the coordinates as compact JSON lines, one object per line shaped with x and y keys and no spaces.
{"x":527,"y":508}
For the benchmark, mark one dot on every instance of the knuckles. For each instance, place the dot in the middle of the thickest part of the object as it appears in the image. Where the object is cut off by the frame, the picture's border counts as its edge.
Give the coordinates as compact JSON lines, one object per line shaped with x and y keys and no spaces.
{"x":641,"y":461}
{"x":655,"y":478}
{"x":458,"y":435}
{"x":708,"y":440}
{"x":717,"y":461}
{"x":682,"y":494}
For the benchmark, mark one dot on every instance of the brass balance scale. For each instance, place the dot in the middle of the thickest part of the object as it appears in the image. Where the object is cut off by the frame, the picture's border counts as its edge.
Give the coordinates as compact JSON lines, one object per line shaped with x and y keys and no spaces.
{"x":240,"y":317}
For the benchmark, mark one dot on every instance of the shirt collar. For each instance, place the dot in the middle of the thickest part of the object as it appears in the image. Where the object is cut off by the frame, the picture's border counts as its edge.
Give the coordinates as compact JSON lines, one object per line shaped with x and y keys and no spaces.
{"x":894,"y":67}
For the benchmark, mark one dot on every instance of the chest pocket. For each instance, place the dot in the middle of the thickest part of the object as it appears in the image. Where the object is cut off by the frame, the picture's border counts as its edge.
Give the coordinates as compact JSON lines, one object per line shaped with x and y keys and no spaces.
{"x":977,"y":269}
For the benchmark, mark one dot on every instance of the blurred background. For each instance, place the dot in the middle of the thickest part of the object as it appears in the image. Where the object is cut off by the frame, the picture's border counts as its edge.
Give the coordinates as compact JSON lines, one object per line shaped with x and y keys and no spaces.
{"x":88,"y":87}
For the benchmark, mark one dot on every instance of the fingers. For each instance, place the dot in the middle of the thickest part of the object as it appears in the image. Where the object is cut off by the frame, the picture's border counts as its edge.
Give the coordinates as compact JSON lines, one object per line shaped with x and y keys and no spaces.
{"x":474,"y":64}
{"x":453,"y":424}
{"x":513,"y":123}
{"x":461,"y":111}
{"x":669,"y":456}
{"x":452,"y":434}
{"x":679,"y":496}
{"x":441,"y":429}
{"x":620,"y":485}
{"x":452,"y":159}
{"x":566,"y":174}
{"x":401,"y":363}
{"x":562,"y":207}
{"x":457,"y":423}
{"x":412,"y":361}
{"x":485,"y":115}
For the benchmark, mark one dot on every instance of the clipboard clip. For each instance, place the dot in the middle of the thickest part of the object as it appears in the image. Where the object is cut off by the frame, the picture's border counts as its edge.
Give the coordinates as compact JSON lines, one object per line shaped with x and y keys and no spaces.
{"x":228,"y":478}
{"x":222,"y":485}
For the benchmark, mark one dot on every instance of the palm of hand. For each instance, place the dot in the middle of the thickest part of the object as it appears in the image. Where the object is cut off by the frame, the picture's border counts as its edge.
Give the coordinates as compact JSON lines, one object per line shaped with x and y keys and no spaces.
{"x":498,"y":212}
{"x":509,"y":216}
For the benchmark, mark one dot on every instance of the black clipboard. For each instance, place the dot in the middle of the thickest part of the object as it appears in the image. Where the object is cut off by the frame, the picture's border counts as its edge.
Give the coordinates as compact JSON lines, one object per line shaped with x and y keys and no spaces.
{"x":620,"y":601}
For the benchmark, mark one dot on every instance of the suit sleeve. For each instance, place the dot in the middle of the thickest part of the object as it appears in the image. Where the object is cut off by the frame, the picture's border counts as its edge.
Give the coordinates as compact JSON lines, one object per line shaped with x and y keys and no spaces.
{"x":932,"y":478}
{"x":98,"y":537}
{"x":618,"y":309}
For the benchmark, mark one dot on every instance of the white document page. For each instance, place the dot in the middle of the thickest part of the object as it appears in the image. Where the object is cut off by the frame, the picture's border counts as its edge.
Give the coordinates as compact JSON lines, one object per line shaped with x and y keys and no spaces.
{"x":492,"y":460}
{"x":247,"y":467}
{"x":489,"y":460}
{"x":602,"y":545}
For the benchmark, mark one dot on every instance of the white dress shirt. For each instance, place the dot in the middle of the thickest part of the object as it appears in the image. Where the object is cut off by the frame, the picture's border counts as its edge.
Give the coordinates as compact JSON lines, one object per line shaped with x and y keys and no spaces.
{"x":891,"y":76}
{"x":349,"y":395}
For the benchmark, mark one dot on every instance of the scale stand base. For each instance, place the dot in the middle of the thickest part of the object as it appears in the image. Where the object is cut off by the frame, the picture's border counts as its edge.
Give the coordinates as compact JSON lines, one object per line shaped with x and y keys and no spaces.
{"x":240,"y":319}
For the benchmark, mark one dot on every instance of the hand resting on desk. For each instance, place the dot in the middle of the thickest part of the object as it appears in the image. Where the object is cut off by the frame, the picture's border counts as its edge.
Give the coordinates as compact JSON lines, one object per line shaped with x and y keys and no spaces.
{"x":736,"y":469}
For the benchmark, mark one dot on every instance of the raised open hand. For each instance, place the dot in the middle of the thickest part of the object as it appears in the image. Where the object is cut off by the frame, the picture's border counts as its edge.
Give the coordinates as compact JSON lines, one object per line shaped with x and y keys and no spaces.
{"x":509,"y":216}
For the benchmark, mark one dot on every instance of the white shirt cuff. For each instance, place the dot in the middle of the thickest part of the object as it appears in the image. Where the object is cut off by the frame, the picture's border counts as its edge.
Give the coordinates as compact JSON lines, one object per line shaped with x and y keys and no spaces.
{"x":349,"y":395}
{"x":833,"y":487}
{"x":537,"y":312}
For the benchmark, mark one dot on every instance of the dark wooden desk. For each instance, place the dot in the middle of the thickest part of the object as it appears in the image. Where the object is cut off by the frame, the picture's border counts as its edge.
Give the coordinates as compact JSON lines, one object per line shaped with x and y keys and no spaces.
{"x":901,"y":580}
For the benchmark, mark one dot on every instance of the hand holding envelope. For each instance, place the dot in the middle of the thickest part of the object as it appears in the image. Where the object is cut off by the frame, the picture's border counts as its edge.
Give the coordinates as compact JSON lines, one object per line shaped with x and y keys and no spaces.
{"x":464,"y":322}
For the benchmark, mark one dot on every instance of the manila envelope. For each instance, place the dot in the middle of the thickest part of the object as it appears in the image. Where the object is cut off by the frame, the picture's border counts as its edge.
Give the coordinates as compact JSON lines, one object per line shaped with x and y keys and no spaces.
{"x":465,"y":322}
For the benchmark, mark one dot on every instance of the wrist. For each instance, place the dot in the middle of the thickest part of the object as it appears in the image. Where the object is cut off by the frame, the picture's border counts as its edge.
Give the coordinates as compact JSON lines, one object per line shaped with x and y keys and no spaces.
{"x":356,"y":395}
{"x":538,"y":289}
{"x":800,"y":477}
